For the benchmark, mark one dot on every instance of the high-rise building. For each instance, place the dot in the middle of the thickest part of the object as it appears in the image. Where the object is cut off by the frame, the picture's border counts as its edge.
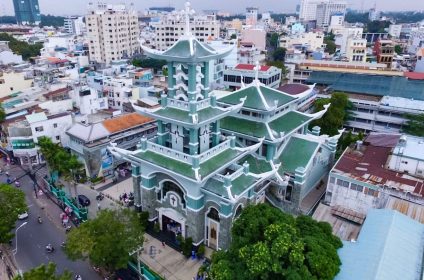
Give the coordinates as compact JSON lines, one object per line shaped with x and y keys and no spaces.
{"x":251,"y":16}
{"x":27,"y":12}
{"x":325,"y":10}
{"x":74,"y":25}
{"x":113,"y":33}
{"x":308,"y":9}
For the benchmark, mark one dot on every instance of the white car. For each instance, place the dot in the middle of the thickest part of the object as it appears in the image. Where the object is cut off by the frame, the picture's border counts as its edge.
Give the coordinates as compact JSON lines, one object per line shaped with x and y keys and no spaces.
{"x":23,"y":215}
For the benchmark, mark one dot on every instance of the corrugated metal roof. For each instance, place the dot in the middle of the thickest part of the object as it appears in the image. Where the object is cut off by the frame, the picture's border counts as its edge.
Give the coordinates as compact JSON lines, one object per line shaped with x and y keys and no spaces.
{"x":390,"y":247}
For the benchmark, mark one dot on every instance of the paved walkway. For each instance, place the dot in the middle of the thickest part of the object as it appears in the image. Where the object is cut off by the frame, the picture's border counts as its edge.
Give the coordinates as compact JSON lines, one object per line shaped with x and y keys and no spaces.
{"x":167,"y":262}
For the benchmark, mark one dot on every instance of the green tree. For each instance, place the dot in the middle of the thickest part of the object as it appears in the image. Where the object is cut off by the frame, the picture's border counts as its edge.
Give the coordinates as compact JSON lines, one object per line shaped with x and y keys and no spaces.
{"x":107,"y":240}
{"x":414,"y":125}
{"x":330,"y":43}
{"x":398,"y":49}
{"x":2,"y":113}
{"x":233,"y":36}
{"x":270,"y":244}
{"x":279,"y":54}
{"x":21,"y":47}
{"x":156,"y":64}
{"x":44,"y":272}
{"x":50,"y":20}
{"x":335,"y":116}
{"x":278,"y":64}
{"x":377,"y":26}
{"x":12,"y":203}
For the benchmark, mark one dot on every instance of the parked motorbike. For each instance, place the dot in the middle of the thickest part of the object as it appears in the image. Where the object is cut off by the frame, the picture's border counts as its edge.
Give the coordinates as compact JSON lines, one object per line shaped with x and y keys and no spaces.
{"x":100,"y":196}
{"x":49,"y":248}
{"x":40,"y":221}
{"x":68,"y":229}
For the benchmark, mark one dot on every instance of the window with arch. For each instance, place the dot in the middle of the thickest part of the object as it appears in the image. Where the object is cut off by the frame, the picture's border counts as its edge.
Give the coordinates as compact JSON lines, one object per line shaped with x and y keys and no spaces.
{"x":213,"y":214}
{"x":171,"y":186}
{"x":238,"y":211}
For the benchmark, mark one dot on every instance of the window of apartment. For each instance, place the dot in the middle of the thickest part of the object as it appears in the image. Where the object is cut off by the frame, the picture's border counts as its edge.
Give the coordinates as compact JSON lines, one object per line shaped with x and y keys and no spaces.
{"x":356,"y":187}
{"x":332,"y":180}
{"x":372,"y":192}
{"x":39,"y":129}
{"x":55,"y":125}
{"x":58,"y":138}
{"x":342,"y":183}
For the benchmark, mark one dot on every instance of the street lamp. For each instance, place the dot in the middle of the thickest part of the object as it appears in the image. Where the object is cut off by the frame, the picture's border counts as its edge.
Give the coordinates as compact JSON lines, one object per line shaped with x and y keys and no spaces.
{"x":15,"y":251}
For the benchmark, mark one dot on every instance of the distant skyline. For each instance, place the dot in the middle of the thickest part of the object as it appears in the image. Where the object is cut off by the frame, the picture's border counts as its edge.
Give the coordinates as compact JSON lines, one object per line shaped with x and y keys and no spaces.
{"x":78,"y":7}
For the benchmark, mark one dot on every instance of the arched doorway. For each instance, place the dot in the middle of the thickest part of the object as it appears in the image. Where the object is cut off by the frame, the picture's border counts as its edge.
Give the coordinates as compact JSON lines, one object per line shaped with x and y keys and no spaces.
{"x":212,"y":228}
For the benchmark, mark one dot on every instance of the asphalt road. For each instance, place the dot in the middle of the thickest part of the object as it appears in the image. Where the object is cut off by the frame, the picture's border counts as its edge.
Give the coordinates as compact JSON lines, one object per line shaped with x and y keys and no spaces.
{"x":33,"y":237}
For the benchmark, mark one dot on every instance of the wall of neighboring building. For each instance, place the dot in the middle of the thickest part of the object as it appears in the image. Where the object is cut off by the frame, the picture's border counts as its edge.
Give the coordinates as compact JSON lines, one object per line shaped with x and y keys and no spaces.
{"x":8,"y":57}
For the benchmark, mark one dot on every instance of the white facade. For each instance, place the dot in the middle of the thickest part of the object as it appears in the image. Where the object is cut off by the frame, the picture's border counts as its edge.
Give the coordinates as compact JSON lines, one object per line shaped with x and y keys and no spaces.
{"x":342,"y":35}
{"x":251,"y":16}
{"x":8,"y":57}
{"x":311,"y":40}
{"x":336,"y":21}
{"x":74,"y":25}
{"x":327,"y":9}
{"x":408,"y":156}
{"x":113,"y":33}
{"x":217,"y":76}
{"x":119,"y":91}
{"x":416,"y":41}
{"x":308,"y":9}
{"x":170,"y":27}
{"x":356,"y":49}
{"x":419,"y":65}
{"x":89,"y":100}
{"x":395,"y":29}
{"x":248,"y":53}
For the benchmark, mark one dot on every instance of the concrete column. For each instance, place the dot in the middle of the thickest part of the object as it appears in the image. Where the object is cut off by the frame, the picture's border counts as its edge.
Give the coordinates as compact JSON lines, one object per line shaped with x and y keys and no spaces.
{"x":205,"y":80}
{"x":171,"y":80}
{"x":161,"y":133}
{"x":194,"y":141}
{"x":216,"y":133}
{"x":270,"y":151}
{"x":136,"y":177}
{"x":192,"y":82}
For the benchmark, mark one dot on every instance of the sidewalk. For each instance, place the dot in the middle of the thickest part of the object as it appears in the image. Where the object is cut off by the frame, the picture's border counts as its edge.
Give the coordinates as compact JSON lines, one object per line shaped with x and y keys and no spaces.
{"x":167,"y":262}
{"x":5,"y":263}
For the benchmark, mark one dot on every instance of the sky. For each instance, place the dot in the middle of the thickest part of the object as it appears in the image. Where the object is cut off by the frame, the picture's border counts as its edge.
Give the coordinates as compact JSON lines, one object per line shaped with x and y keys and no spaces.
{"x":78,"y":7}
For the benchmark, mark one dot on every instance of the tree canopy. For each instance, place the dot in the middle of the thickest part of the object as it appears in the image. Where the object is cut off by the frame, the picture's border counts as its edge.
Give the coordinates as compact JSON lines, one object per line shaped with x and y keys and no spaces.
{"x":106,"y":240}
{"x":279,"y":54}
{"x":12,"y":203}
{"x":330,"y":43}
{"x":21,"y":47}
{"x":336,"y":115}
{"x":414,"y":125}
{"x":269,"y":244}
{"x":2,"y":113}
{"x":156,"y":64}
{"x":44,"y":272}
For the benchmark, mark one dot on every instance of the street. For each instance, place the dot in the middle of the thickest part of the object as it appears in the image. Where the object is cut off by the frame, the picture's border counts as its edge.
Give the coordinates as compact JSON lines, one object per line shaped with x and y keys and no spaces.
{"x":33,"y":237}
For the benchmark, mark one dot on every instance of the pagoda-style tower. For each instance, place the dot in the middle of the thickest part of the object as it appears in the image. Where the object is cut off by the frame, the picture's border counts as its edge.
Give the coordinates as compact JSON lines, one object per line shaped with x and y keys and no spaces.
{"x":188,"y":177}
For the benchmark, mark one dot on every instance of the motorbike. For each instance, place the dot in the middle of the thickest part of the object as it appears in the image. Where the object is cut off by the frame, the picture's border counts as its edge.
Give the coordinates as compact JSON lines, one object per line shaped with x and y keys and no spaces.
{"x":63,"y":245}
{"x":49,"y":249}
{"x":68,"y":228}
{"x":40,"y":221}
{"x":100,"y":196}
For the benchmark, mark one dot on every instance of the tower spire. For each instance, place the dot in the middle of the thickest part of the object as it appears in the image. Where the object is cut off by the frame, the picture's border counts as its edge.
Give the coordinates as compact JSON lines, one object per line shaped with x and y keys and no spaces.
{"x":257,"y":68}
{"x":187,"y":13}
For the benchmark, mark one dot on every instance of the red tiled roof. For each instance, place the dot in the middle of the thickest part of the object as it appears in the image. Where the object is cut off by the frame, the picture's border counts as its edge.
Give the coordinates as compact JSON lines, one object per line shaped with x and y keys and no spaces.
{"x":414,"y":75}
{"x":293,"y":89}
{"x":125,"y":122}
{"x":368,"y":165}
{"x":251,"y":67}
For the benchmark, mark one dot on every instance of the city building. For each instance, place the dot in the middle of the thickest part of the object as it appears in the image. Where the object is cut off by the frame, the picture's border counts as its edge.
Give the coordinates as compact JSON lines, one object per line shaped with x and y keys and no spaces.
{"x":309,"y":41}
{"x":195,"y":177}
{"x":7,"y":56}
{"x":171,"y":26}
{"x":89,"y":141}
{"x":416,"y":41}
{"x":356,"y":49}
{"x":308,"y":9}
{"x":368,"y":176}
{"x":27,"y":12}
{"x":251,"y":16}
{"x":385,"y":51}
{"x":343,"y":34}
{"x":23,"y":135}
{"x":74,"y":25}
{"x":256,"y":36}
{"x":390,"y":246}
{"x":419,"y":65}
{"x":245,"y":73}
{"x":325,"y":10}
{"x":380,"y":102}
{"x":113,"y":33}
{"x":248,"y":53}
{"x":395,"y":30}
{"x":336,"y":21}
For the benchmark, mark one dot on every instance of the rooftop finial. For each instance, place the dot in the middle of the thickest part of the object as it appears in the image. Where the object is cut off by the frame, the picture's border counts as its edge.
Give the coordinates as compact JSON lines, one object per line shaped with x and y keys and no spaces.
{"x":257,"y":68}
{"x":187,"y":13}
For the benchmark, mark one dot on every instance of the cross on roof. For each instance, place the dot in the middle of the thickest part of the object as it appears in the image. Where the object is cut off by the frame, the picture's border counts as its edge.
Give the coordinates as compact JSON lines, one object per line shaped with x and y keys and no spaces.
{"x":187,"y":12}
{"x":257,"y":68}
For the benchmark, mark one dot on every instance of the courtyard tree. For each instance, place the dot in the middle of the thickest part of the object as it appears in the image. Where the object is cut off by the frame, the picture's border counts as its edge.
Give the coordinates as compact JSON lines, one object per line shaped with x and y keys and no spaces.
{"x":279,"y":54}
{"x":12,"y":203}
{"x":336,"y":115}
{"x":44,"y":272}
{"x":414,"y":125}
{"x":270,"y":244}
{"x":107,"y":240}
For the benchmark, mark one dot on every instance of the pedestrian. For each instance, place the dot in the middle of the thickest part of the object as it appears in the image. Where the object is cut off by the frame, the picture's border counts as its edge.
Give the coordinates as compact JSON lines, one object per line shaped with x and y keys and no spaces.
{"x":98,"y":206}
{"x":163,"y":243}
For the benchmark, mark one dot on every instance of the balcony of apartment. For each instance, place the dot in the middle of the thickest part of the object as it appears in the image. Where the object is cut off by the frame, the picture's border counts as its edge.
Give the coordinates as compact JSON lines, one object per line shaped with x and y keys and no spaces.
{"x":388,"y":117}
{"x":20,"y":129}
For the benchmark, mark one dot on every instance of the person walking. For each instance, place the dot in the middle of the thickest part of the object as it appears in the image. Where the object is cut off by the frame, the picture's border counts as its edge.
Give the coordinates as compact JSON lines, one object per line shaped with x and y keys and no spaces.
{"x":98,"y":205}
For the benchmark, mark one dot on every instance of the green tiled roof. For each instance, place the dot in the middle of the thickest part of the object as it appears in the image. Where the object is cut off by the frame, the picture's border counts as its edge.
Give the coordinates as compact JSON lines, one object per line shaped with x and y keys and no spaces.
{"x":242,"y":183}
{"x":254,"y":101}
{"x":185,"y":169}
{"x":256,"y":166}
{"x":182,"y":49}
{"x":288,"y":122}
{"x":183,"y":116}
{"x":296,"y":154}
{"x":216,"y":187}
{"x":243,"y":126}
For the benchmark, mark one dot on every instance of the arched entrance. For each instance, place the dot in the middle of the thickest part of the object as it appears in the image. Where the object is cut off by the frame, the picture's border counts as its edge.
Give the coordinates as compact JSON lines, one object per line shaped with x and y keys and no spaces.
{"x":172,"y":222}
{"x":212,"y":228}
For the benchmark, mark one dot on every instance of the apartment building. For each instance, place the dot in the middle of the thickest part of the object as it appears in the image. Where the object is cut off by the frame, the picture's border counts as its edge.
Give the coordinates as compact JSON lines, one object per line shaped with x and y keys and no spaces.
{"x":308,"y":10}
{"x":171,"y":26}
{"x":248,"y":53}
{"x":245,"y":73}
{"x":74,"y":25}
{"x":325,"y":10}
{"x":385,"y":51}
{"x":27,"y":12}
{"x":311,"y":41}
{"x":251,"y":16}
{"x":356,"y":49}
{"x":112,"y":32}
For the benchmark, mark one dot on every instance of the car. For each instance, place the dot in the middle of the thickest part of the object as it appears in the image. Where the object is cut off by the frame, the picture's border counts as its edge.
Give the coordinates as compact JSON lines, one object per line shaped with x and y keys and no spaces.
{"x":23,"y":216}
{"x":83,"y":200}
